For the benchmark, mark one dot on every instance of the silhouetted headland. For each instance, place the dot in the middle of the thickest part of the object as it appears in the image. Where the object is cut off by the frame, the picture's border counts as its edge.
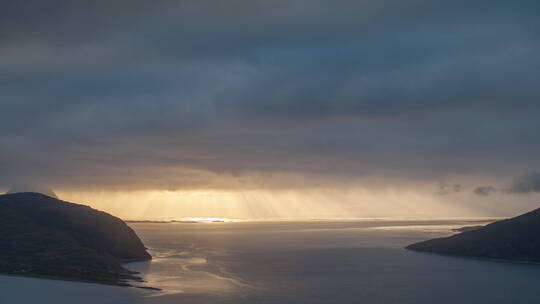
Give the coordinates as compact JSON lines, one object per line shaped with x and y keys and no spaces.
{"x":516,"y":239}
{"x":46,"y":237}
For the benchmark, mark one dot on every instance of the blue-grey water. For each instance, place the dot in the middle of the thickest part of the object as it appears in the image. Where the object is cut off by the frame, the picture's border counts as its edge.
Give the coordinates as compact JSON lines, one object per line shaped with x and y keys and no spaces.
{"x":296,"y":262}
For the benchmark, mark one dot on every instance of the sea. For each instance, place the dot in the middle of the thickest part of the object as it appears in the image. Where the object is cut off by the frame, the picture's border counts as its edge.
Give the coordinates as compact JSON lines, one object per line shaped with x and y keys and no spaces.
{"x":315,"y":261}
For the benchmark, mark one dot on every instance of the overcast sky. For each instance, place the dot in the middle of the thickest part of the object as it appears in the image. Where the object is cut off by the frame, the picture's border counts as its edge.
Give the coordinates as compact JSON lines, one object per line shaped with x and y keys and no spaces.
{"x":249,"y":94}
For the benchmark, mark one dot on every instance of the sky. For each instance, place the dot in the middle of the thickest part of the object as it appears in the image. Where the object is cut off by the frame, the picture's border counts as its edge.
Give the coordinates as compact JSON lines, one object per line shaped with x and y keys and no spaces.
{"x":252,"y":108}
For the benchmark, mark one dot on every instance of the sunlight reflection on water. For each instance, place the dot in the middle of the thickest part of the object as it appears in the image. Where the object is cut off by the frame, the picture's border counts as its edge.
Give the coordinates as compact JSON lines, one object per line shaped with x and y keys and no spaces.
{"x":316,"y":262}
{"x":195,"y":259}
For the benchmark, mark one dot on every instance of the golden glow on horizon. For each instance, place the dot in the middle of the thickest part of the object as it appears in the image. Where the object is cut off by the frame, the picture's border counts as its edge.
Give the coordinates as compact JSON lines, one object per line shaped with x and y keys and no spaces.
{"x":206,"y":219}
{"x":265,"y":204}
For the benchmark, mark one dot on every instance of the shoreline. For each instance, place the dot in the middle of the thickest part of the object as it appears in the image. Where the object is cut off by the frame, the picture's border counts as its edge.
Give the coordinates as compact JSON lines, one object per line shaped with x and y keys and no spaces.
{"x":74,"y":280}
{"x":506,"y":261}
{"x":124,"y":282}
{"x":54,"y":278}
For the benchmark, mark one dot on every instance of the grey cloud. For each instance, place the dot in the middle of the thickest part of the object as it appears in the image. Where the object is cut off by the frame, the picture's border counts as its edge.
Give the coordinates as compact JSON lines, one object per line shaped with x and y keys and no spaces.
{"x":525,"y":184}
{"x":484,"y":191}
{"x":529,"y":183}
{"x":445,"y":189}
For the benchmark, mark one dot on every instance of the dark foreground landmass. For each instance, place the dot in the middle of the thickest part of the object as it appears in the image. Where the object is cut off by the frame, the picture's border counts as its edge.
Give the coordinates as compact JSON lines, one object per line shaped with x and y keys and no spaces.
{"x":45,"y":237}
{"x":516,"y":239}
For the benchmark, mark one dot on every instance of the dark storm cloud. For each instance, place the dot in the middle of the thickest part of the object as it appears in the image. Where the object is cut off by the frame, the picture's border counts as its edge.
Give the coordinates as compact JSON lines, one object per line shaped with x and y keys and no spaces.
{"x":184,"y":93}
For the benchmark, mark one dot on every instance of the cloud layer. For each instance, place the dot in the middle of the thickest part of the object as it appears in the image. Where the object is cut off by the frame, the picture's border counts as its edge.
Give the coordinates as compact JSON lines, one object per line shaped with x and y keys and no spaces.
{"x":215,"y":94}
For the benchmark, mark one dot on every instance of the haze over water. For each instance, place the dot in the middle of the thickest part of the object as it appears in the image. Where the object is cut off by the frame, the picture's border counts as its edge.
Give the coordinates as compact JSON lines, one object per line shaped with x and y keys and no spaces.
{"x":296,"y":262}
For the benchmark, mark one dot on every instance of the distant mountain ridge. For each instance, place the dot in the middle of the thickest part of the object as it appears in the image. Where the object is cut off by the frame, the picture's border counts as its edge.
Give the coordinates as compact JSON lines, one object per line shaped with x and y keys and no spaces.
{"x":44,"y":236}
{"x":516,"y":239}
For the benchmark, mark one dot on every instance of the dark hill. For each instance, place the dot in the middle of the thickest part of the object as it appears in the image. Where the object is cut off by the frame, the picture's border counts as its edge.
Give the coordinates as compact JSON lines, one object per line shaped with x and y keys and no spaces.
{"x":44,"y":236}
{"x":515,"y":239}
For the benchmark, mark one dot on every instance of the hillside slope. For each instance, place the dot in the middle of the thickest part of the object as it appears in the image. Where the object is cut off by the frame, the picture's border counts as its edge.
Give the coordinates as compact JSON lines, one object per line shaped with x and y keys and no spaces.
{"x":44,"y":236}
{"x":515,"y":239}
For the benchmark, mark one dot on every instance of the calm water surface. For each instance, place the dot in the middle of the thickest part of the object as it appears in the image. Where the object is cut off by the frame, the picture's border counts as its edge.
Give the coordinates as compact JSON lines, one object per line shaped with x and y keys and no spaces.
{"x":297,"y":262}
